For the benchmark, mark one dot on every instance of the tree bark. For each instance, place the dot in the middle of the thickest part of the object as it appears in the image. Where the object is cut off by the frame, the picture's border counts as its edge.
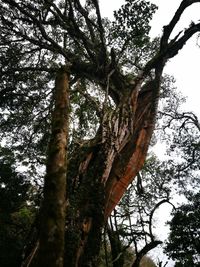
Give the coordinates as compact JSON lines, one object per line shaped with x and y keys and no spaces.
{"x":103,"y":173}
{"x":132,"y":153}
{"x":85,"y":217}
{"x":52,"y":223}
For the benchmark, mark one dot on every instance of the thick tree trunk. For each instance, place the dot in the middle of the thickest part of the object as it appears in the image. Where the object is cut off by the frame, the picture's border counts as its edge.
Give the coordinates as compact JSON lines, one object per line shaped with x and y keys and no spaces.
{"x":102,"y":171}
{"x":52,"y":225}
{"x":85,"y":216}
{"x":133,"y":146}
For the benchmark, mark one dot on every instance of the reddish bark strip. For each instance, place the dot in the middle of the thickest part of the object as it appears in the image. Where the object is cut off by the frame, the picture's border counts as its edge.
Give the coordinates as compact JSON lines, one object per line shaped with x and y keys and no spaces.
{"x":131,"y":159}
{"x":135,"y":163}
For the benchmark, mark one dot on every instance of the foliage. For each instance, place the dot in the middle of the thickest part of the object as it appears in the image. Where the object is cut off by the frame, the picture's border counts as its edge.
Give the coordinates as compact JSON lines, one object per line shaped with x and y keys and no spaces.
{"x":131,"y":27}
{"x":16,"y":214}
{"x":183,"y":243}
{"x":115,"y":77}
{"x":158,"y":180}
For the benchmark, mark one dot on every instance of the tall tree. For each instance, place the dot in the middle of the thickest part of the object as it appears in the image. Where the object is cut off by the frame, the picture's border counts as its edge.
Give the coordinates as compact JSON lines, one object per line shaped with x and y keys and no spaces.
{"x":53,"y":210}
{"x":183,"y":244}
{"x":117,"y":61}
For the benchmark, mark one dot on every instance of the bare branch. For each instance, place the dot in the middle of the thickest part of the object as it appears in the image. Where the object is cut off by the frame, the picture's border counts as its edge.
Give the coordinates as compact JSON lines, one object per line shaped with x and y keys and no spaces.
{"x":169,"y":28}
{"x":144,"y":251}
{"x":152,"y":213}
{"x":89,"y":22}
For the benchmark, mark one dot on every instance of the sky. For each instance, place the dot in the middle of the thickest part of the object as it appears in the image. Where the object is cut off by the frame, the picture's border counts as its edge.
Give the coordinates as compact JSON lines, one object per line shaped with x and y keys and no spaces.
{"x":185,"y":67}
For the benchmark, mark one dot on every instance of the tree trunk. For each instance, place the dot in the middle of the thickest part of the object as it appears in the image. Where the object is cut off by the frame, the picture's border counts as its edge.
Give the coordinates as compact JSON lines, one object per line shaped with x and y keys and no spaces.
{"x":116,"y":248}
{"x":98,"y":175}
{"x":52,"y":223}
{"x":85,"y":216}
{"x":103,"y":169}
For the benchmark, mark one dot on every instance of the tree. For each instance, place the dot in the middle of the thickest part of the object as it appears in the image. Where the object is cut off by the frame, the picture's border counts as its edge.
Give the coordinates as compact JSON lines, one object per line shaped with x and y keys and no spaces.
{"x":16,"y":215}
{"x":128,"y":259}
{"x":117,"y":61}
{"x":52,"y":219}
{"x":133,"y":222}
{"x":183,"y":243}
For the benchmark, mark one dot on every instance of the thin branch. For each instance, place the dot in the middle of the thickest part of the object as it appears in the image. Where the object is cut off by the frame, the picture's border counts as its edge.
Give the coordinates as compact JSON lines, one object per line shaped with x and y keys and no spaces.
{"x":99,"y":19}
{"x":107,"y":88}
{"x":90,"y":24}
{"x":152,"y":213}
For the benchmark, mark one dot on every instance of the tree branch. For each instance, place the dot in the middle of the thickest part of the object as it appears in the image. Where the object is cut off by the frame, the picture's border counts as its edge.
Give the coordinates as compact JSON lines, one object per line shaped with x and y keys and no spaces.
{"x":170,"y":27}
{"x":152,"y":213}
{"x":144,"y":251}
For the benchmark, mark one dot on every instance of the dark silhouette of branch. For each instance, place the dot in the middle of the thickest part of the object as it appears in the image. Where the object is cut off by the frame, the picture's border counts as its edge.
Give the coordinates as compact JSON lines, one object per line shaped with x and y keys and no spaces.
{"x":169,"y":49}
{"x":144,"y":251}
{"x":170,"y":27}
{"x":152,"y":213}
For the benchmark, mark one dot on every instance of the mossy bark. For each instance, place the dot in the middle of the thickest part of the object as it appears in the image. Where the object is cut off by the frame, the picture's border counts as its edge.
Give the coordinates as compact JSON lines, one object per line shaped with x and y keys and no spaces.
{"x":85,"y":216}
{"x":52,"y":224}
{"x":102,"y":174}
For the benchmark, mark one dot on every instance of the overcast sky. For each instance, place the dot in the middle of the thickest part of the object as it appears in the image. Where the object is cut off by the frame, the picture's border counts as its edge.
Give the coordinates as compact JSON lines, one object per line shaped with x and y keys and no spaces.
{"x":185,"y":67}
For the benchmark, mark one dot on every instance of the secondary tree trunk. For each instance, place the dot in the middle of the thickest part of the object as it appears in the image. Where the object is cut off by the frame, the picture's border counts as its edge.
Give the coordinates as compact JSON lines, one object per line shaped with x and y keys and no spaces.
{"x":116,"y":248}
{"x":52,"y":223}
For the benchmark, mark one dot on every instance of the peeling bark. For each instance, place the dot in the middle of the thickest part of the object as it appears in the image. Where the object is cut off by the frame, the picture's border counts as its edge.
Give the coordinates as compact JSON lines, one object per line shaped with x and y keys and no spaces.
{"x":131,"y":157}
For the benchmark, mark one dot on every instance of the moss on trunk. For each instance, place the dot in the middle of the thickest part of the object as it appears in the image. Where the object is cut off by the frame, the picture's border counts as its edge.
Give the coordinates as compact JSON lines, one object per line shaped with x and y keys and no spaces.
{"x":52,"y":223}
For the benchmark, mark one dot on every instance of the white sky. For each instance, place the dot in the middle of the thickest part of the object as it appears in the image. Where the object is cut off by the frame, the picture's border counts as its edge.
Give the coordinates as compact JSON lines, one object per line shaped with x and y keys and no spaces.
{"x":185,"y":67}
